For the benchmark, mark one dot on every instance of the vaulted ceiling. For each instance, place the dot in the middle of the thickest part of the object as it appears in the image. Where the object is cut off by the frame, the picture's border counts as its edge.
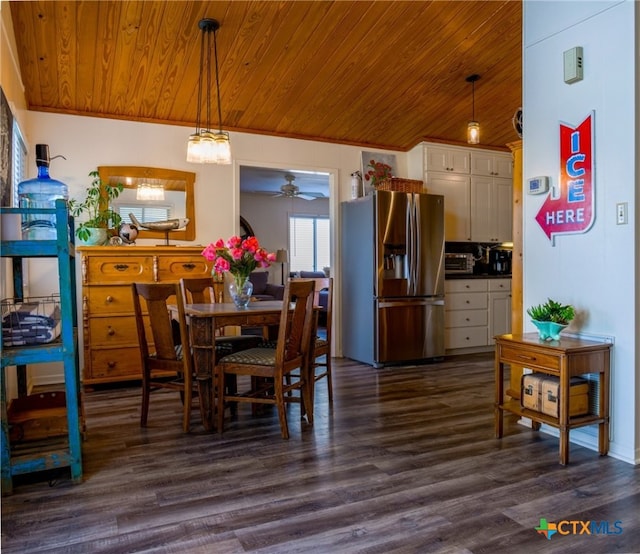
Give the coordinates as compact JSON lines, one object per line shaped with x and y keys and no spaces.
{"x":384,"y":74}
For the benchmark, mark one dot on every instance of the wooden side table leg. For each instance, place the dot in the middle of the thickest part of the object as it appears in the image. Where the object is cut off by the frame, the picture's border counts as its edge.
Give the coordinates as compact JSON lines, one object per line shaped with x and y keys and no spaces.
{"x":564,"y":414}
{"x":499,"y":383}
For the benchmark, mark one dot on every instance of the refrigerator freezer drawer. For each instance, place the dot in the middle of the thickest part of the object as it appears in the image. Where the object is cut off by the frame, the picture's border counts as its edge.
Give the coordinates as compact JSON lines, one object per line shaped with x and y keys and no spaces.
{"x":409,"y":329}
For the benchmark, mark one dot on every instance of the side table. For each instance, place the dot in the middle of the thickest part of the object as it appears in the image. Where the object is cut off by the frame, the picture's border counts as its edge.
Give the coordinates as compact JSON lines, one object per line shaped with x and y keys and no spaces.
{"x":564,"y":358}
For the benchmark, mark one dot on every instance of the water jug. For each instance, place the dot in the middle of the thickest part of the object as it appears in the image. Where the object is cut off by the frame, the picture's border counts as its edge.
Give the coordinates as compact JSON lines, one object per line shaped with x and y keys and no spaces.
{"x":41,"y":192}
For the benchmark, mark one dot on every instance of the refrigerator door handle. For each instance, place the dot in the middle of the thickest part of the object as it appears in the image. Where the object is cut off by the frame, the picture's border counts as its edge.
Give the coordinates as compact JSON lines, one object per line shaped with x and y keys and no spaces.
{"x":417,"y":246}
{"x":409,"y":239}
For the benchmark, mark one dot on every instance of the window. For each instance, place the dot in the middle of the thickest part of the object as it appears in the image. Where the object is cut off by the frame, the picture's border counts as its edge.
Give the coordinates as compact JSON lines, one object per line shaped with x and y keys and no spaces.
{"x":308,"y":243}
{"x":143,"y":213}
{"x":19,"y":161}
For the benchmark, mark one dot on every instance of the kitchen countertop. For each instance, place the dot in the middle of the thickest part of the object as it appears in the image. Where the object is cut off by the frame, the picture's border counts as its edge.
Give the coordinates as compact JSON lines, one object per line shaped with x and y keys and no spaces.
{"x":453,"y":276}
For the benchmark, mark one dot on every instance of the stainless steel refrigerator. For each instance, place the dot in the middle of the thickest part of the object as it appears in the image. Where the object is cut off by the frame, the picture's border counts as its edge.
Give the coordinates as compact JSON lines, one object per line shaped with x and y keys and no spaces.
{"x":392,"y":258}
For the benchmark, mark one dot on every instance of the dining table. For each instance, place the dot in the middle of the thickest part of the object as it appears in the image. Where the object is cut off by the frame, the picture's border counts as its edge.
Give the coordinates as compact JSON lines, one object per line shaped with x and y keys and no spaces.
{"x":204,"y":321}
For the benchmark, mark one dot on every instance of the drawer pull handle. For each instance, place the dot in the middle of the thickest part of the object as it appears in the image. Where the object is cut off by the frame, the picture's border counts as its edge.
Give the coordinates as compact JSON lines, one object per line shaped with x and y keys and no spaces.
{"x":109,"y":299}
{"x":528,"y":358}
{"x":111,"y":332}
{"x":467,"y":319}
{"x":111,"y":365}
{"x":121,"y":267}
{"x":189,"y":266}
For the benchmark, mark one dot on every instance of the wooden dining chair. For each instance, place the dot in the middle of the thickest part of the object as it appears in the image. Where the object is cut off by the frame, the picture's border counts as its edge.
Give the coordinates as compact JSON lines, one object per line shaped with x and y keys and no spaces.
{"x":164,"y":355}
{"x":269,"y":367}
{"x":322,"y":346}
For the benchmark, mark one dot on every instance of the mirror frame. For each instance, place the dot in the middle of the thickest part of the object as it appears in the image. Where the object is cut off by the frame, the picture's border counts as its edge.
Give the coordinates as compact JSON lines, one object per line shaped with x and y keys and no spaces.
{"x":189,"y":232}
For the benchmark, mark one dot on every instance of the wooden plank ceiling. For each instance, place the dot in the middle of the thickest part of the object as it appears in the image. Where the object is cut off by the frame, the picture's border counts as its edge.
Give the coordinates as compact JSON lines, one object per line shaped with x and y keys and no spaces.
{"x":378,"y":74}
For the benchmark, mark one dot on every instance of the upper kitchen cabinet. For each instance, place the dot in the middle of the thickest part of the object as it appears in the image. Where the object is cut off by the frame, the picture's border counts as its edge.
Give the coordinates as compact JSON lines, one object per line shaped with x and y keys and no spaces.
{"x":492,"y":164}
{"x":491,"y":209}
{"x":457,"y":203}
{"x":449,"y":159}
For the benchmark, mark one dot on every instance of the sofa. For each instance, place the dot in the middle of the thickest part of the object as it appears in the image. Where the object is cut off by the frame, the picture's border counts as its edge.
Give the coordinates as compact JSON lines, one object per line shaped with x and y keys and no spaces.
{"x":262,"y":289}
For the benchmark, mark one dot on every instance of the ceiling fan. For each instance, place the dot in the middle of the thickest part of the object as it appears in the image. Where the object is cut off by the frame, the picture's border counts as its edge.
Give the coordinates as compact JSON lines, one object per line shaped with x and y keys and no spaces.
{"x":289,"y":190}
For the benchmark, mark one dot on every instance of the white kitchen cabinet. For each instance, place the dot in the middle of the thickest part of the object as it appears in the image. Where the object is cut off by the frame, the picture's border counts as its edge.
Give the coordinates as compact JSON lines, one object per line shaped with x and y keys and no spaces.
{"x":457,"y":203}
{"x":499,"y":316}
{"x":492,"y":164}
{"x":491,"y":209}
{"x":476,"y":310}
{"x":465,"y":315}
{"x":446,"y":159}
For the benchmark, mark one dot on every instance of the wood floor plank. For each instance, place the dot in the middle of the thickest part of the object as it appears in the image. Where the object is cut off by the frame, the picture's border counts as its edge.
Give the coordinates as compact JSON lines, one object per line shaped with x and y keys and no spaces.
{"x":404,"y":460}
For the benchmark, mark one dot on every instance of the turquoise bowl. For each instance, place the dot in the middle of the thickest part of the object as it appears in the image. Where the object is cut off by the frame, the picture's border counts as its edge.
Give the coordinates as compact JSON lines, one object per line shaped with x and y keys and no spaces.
{"x":548,"y":330}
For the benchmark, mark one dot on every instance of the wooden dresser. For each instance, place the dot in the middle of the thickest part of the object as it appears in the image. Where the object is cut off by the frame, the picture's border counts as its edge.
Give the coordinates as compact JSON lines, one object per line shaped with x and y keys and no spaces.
{"x":110,"y":341}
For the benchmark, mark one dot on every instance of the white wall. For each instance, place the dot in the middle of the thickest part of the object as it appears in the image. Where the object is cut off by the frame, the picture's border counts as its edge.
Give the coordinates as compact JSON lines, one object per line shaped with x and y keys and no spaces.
{"x":595,"y":271}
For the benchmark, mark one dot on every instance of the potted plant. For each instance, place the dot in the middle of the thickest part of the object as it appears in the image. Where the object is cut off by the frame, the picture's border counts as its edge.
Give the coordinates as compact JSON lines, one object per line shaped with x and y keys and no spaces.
{"x":550,"y":318}
{"x":96,"y":208}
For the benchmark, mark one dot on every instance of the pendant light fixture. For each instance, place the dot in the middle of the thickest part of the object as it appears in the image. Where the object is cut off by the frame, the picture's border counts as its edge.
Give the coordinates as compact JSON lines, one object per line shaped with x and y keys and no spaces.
{"x":205,"y":145}
{"x":473,"y":127}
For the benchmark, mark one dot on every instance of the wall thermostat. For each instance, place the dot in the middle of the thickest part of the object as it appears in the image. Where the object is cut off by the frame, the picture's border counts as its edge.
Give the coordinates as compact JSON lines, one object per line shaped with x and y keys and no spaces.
{"x":538,"y":185}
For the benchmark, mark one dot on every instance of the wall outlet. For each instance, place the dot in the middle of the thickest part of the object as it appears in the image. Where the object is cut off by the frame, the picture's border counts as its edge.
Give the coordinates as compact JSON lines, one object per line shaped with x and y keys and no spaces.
{"x":621,"y":213}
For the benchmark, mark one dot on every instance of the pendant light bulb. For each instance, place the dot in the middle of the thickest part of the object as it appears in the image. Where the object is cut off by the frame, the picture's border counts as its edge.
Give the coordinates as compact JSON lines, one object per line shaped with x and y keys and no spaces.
{"x":473,"y":127}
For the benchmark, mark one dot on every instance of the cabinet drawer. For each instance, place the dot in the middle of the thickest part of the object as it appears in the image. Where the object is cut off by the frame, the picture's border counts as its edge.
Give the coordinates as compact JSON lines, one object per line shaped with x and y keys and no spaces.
{"x":465,"y":318}
{"x":115,"y":269}
{"x":175,"y":267}
{"x":465,"y":285}
{"x":499,"y":285}
{"x":529,"y":358}
{"x":466,"y":301}
{"x":112,"y":331}
{"x":109,"y":300}
{"x":108,"y":363}
{"x":465,"y":337}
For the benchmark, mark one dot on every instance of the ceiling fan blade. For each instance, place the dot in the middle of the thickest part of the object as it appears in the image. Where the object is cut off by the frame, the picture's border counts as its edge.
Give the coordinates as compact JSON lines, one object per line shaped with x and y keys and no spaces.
{"x":306,"y":197}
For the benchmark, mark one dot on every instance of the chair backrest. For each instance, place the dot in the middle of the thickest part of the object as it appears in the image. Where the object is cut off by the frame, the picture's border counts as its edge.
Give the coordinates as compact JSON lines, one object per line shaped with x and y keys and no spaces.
{"x":157,"y":297}
{"x":197,"y":290}
{"x":325,"y":284}
{"x":294,"y":333}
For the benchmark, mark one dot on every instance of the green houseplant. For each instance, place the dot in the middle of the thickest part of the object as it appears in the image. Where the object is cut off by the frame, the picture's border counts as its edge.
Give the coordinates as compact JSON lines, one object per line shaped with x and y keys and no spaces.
{"x":551,"y":318}
{"x":96,"y":208}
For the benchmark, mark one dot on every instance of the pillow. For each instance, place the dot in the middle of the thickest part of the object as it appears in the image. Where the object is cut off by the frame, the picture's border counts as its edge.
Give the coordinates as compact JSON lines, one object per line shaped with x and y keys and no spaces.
{"x":311,"y":274}
{"x":259,"y":280}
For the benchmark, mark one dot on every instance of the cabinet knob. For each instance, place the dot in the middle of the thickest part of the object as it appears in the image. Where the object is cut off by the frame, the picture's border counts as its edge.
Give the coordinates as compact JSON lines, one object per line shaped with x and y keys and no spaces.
{"x":189,"y":266}
{"x":121,"y":267}
{"x":111,"y":331}
{"x":111,"y":365}
{"x":109,"y":299}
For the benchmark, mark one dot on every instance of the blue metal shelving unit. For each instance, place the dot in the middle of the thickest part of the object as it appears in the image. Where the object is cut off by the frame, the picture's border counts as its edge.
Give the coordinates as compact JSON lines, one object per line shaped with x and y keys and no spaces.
{"x":49,"y":454}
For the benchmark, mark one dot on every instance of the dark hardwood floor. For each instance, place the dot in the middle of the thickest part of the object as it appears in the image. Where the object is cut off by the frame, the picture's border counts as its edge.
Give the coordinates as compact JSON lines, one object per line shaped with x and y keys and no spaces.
{"x":404,"y":462}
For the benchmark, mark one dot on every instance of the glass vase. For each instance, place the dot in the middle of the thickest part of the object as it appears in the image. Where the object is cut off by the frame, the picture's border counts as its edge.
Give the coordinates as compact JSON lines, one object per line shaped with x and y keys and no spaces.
{"x":240,"y":290}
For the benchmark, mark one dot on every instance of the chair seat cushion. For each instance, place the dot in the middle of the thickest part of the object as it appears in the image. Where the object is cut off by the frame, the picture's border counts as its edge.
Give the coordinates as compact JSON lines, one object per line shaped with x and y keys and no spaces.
{"x":252,"y":356}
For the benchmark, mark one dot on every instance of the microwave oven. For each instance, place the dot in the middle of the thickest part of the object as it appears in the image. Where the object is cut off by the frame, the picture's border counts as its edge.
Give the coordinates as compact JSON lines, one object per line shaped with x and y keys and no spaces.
{"x":458,"y":263}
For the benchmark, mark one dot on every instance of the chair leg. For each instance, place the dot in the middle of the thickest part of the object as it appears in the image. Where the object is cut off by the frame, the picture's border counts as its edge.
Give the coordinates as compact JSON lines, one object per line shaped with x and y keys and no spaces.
{"x":329,"y":378}
{"x":144,"y":411}
{"x":220,"y":386}
{"x":186,"y":407}
{"x":282,"y":413}
{"x":307,"y":398}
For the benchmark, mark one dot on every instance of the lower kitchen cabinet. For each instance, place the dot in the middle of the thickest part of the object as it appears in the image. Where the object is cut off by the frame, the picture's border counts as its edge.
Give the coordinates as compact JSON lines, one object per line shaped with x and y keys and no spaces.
{"x":111,"y":352}
{"x":475,"y":311}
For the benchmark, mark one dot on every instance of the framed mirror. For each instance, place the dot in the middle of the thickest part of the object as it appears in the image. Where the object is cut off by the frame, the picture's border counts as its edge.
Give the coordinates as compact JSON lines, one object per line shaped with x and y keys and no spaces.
{"x":174,"y":198}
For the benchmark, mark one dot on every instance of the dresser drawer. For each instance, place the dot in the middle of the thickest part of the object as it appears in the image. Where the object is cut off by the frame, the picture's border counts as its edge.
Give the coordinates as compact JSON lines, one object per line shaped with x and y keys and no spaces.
{"x":466,"y":301}
{"x":109,"y":300}
{"x":112,"y":364}
{"x":529,"y":358}
{"x":119,"y":270}
{"x":114,"y":331}
{"x":465,"y":318}
{"x":173,"y":268}
{"x":465,"y":337}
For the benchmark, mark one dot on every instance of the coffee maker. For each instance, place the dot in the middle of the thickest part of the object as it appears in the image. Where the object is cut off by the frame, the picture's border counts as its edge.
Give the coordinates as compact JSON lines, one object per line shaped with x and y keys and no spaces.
{"x":500,"y":262}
